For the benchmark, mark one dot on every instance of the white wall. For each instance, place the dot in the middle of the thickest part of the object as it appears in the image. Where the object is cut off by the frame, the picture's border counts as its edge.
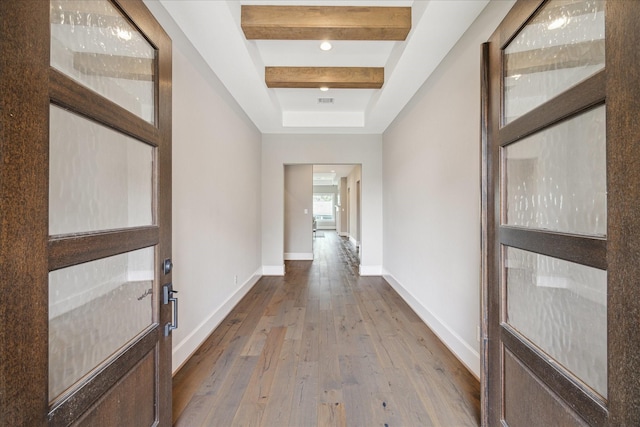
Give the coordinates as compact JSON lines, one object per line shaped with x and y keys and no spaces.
{"x":432,"y":194}
{"x":216,"y":196}
{"x":278,"y":150}
{"x":298,"y":212}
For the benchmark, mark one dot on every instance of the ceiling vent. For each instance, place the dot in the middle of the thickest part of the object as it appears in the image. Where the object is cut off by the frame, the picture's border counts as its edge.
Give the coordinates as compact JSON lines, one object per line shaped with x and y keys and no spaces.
{"x":325,"y":100}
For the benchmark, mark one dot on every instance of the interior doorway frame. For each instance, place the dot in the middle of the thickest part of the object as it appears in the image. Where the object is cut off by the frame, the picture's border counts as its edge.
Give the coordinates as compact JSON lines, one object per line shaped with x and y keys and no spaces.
{"x":343,"y":203}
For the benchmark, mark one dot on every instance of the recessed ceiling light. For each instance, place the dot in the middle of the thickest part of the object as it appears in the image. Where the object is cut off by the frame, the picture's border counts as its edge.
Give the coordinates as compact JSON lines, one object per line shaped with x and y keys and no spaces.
{"x":325,"y":46}
{"x":324,"y":88}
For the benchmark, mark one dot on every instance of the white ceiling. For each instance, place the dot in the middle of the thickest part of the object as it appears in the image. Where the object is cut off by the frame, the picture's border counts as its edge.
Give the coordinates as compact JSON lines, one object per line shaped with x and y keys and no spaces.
{"x":213,"y":27}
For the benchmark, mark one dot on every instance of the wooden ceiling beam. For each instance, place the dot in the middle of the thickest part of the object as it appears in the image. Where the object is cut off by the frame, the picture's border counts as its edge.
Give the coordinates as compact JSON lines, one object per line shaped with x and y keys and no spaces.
{"x":325,"y":22}
{"x":331,"y":77}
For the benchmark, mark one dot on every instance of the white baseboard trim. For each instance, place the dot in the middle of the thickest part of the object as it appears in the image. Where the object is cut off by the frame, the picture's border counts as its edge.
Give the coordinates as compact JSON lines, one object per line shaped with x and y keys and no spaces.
{"x":343,"y":234}
{"x":273,"y":270}
{"x":301,"y":256}
{"x":185,"y":348}
{"x":370,"y":270}
{"x":469,"y":357}
{"x":354,"y":241}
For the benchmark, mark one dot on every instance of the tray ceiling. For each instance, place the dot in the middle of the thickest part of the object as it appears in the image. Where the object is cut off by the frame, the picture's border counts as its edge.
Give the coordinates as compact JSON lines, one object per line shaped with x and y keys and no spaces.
{"x":214,"y":28}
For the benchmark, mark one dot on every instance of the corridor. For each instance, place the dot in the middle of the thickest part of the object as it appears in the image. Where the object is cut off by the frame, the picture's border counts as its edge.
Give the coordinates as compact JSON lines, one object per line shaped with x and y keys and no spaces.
{"x":322,"y":346}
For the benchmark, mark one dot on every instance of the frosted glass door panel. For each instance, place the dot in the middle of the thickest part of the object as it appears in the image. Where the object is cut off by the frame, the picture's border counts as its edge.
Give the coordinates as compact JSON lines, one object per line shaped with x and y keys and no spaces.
{"x":561,"y":307}
{"x":94,"y":309}
{"x":556,"y":179}
{"x":562,"y":46}
{"x":94,"y":44}
{"x":100,"y":179}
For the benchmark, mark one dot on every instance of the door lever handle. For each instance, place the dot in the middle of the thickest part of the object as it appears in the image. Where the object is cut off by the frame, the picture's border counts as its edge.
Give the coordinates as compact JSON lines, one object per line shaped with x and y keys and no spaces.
{"x":168,"y":298}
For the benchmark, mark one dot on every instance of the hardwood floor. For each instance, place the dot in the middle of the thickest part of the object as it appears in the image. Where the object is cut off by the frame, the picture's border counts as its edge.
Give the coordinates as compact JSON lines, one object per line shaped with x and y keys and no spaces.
{"x":322,"y":346}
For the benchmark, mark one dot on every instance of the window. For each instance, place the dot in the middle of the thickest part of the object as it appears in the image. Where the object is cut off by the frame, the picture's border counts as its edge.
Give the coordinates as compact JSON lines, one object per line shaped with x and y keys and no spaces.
{"x":323,"y":206}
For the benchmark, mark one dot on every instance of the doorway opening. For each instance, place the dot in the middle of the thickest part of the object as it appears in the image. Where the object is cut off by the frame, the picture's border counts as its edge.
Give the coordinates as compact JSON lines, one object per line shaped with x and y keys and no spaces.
{"x":319,"y":199}
{"x":335,"y":206}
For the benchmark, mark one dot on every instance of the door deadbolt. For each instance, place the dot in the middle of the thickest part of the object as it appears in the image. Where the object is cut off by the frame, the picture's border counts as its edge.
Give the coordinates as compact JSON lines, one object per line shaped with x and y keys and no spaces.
{"x":167,"y":266}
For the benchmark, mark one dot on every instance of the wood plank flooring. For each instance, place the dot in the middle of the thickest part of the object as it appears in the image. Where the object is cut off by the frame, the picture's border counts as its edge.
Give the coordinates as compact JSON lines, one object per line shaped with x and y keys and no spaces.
{"x":322,"y":346}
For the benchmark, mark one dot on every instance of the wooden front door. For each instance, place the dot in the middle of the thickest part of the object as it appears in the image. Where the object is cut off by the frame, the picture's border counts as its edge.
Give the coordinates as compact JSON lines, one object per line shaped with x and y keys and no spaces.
{"x":85,"y":214}
{"x":561,"y":191}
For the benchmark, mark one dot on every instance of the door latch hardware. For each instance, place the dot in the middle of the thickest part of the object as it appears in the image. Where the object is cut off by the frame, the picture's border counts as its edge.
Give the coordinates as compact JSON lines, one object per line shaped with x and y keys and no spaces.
{"x":167,"y":298}
{"x":167,"y":266}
